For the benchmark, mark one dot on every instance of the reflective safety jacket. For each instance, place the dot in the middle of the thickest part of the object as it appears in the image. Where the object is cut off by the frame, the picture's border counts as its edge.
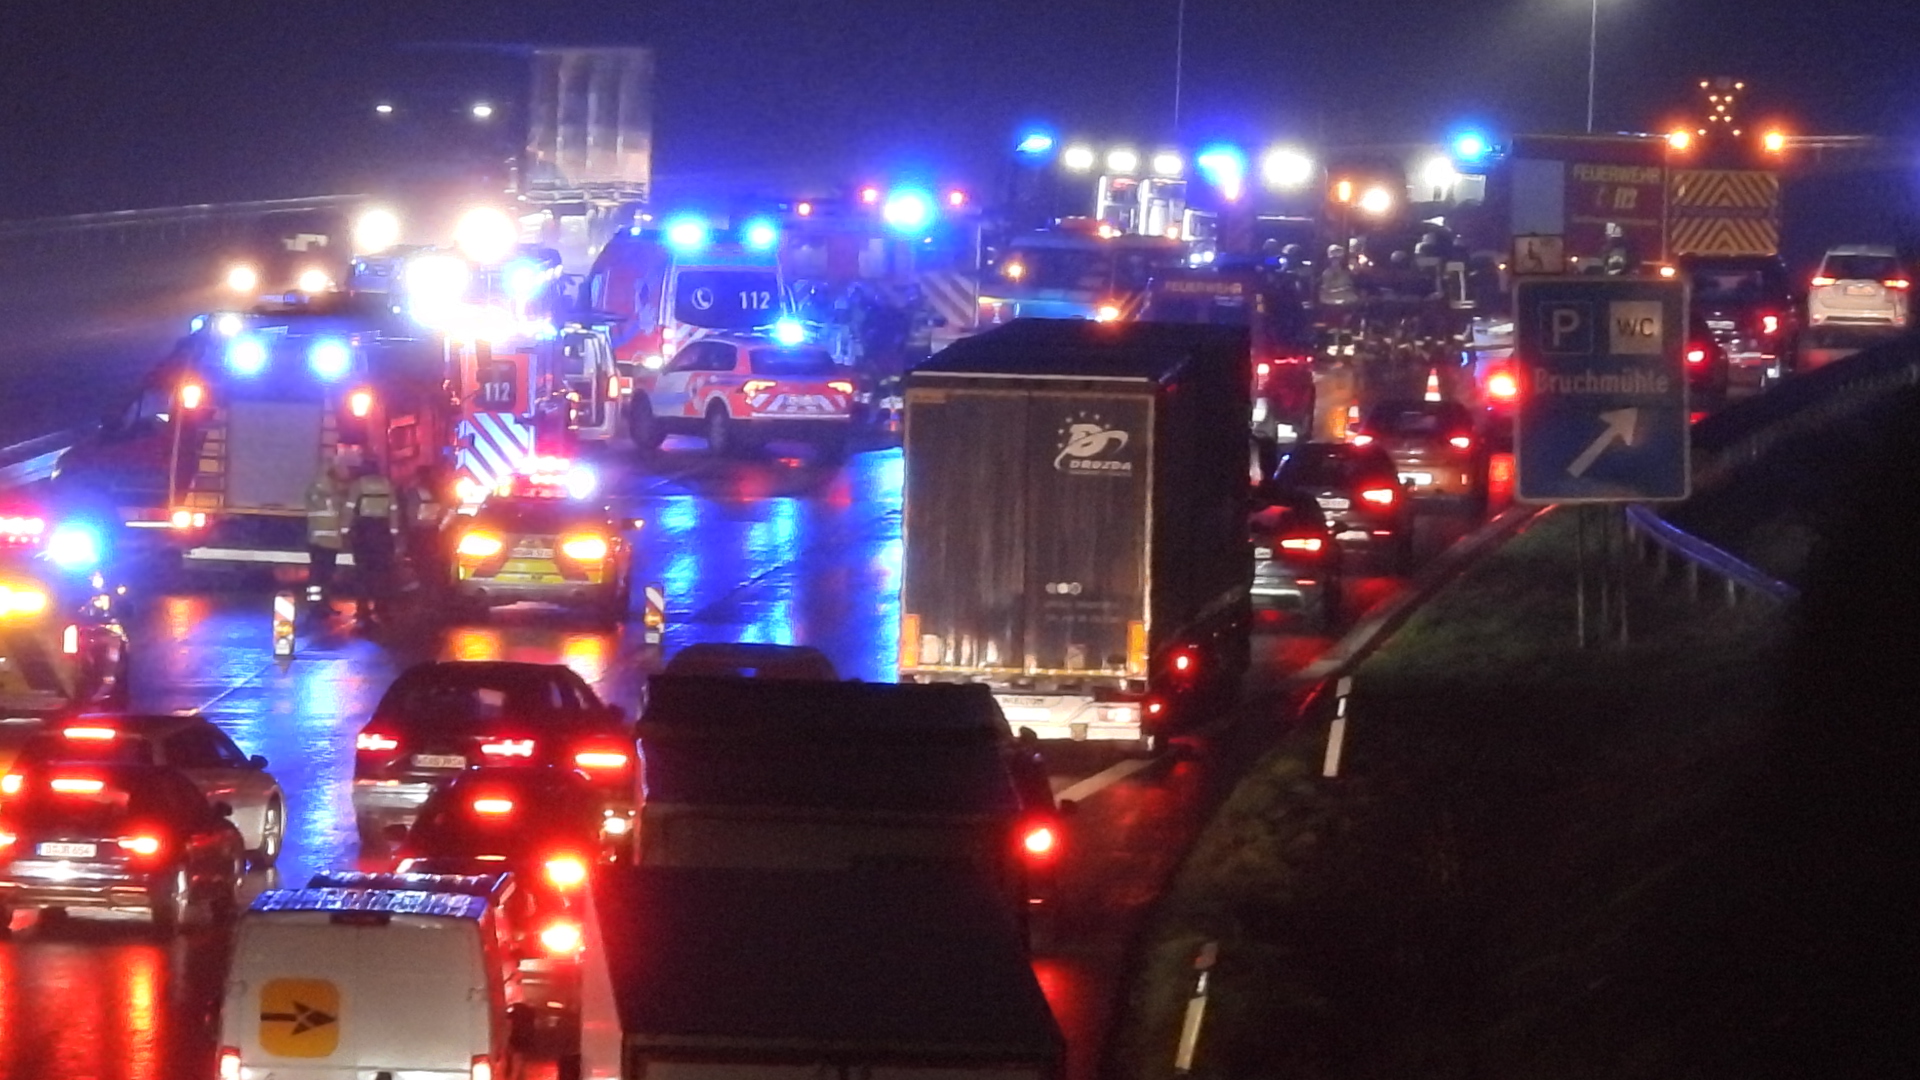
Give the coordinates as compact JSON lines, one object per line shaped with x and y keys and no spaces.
{"x":371,"y":503}
{"x":326,"y":507}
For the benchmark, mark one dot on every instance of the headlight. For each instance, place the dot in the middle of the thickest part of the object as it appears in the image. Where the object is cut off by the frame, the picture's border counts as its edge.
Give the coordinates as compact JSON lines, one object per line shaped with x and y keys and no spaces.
{"x":243,"y":278}
{"x":314,"y":280}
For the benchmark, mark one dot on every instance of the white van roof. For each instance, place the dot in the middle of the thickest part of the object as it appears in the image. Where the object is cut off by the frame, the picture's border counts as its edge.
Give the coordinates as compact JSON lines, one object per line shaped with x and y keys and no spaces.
{"x":449,"y":905}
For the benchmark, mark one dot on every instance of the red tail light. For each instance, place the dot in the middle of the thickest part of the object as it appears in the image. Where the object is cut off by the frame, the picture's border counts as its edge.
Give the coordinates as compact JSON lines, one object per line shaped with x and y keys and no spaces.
{"x":10,"y":783}
{"x":1897,"y":283}
{"x":1155,"y":706}
{"x":1184,"y":661}
{"x":566,"y":871}
{"x":1265,"y":369}
{"x":508,"y":748}
{"x":74,"y":785}
{"x":493,"y":807}
{"x":1696,"y":356}
{"x":1362,"y":440}
{"x":1378,"y":496}
{"x":1769,"y":324}
{"x":90,"y":733}
{"x":1460,"y":442}
{"x":1822,"y":281}
{"x":229,"y":1063}
{"x":1309,"y":544}
{"x":841,"y":386}
{"x":7,"y":840}
{"x":561,"y":937}
{"x":1039,"y":841}
{"x":1502,"y":386}
{"x":144,"y":846}
{"x":374,"y":742}
{"x":481,"y":1068}
{"x":600,"y":760}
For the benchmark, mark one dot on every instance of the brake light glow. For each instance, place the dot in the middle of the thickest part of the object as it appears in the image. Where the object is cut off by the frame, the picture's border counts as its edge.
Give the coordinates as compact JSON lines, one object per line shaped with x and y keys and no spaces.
{"x":1362,"y":440}
{"x":76,"y":785}
{"x":360,"y":403}
{"x":480,"y":545}
{"x":481,"y":1069}
{"x":1263,"y":369}
{"x":373,"y":742}
{"x":584,"y":548}
{"x":1039,"y":841}
{"x":757,"y":386}
{"x":7,"y":839}
{"x":1107,"y":313}
{"x":600,"y":759}
{"x":1378,"y":496}
{"x":1769,"y":324}
{"x":10,"y":784}
{"x":566,"y":871}
{"x":1460,"y":442}
{"x":1502,"y":386}
{"x":1897,"y":283}
{"x":493,"y":806}
{"x":841,"y":386}
{"x":1301,"y":543}
{"x":1696,"y":356}
{"x":70,"y":640}
{"x":561,"y":937}
{"x":1183,"y":661}
{"x":1823,"y":280}
{"x":140,"y":845}
{"x":188,"y":519}
{"x":93,"y":733}
{"x":229,"y":1063}
{"x":191,"y":395}
{"x":521,"y":748}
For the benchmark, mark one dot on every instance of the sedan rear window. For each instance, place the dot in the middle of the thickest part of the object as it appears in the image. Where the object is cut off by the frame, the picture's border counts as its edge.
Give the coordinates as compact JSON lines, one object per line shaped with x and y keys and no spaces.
{"x":1860,"y":267}
{"x":1330,"y":466}
{"x":1419,"y":418}
{"x":791,"y":362}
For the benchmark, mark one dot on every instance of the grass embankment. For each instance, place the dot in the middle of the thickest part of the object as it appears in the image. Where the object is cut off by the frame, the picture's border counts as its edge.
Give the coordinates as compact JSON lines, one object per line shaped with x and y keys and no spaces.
{"x":1504,"y":880}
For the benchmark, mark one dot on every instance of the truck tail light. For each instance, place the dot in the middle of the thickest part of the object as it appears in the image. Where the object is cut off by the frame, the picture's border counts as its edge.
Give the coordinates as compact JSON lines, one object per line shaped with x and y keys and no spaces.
{"x":375,"y":742}
{"x":1362,"y":439}
{"x":561,"y":937}
{"x":1039,"y":841}
{"x":1137,"y":648}
{"x":566,"y":871}
{"x":188,"y":519}
{"x":481,"y":1069}
{"x":1185,"y":661}
{"x":229,"y":1063}
{"x":1263,"y":370}
{"x":1460,"y":442}
{"x":70,"y":640}
{"x":909,"y":641}
{"x":1502,"y":386}
{"x":508,"y":748}
{"x":192,"y":394}
{"x":360,"y":403}
{"x":1378,"y":496}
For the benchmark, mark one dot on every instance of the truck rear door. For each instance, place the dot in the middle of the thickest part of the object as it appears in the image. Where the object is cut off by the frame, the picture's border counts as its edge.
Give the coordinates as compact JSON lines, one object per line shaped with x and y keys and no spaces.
{"x":273,"y":452}
{"x":1026,"y":529}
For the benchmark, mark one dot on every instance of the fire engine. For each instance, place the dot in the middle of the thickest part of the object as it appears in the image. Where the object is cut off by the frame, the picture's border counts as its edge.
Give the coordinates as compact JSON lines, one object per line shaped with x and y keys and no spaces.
{"x":1280,"y":332}
{"x":1076,"y":271}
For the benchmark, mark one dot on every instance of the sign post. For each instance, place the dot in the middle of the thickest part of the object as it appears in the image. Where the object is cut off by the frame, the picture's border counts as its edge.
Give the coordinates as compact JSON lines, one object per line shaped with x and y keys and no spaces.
{"x":1603,"y":415}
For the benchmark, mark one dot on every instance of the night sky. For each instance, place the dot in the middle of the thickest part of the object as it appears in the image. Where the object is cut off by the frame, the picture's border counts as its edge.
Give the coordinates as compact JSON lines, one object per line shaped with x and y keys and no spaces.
{"x":111,"y":106}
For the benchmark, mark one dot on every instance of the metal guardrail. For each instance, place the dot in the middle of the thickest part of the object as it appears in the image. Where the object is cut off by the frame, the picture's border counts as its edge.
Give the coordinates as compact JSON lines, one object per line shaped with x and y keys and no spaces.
{"x":170,"y":215}
{"x":1666,"y":546}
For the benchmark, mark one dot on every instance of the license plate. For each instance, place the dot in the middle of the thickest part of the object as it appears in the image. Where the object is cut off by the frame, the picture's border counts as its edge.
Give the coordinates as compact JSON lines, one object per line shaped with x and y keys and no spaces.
{"x":1862,"y":290}
{"x":529,"y":551}
{"x":806,"y":404}
{"x":439,"y":761}
{"x":1416,"y":478}
{"x":68,"y":851}
{"x":1352,"y":534}
{"x":1334,"y":504}
{"x":1719,"y":324}
{"x":1262,"y":553}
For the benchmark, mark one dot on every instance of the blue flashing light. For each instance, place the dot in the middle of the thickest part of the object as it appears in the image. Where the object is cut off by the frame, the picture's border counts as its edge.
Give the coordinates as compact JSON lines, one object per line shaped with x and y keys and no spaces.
{"x":227,"y":324}
{"x":198,"y":324}
{"x":790,"y":332}
{"x":1470,"y":146}
{"x":523,"y":279}
{"x":581,"y":482}
{"x":1035,"y":142}
{"x":687,"y":233}
{"x":330,"y":359}
{"x":1225,"y":167}
{"x":247,"y":356}
{"x":760,"y":234}
{"x":908,"y":210}
{"x":74,"y":547}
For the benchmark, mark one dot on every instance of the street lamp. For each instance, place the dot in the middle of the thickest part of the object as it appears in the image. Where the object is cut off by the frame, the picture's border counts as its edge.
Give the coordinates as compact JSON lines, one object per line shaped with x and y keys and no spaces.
{"x":1077,"y":158}
{"x":1287,"y":169}
{"x":482,"y":111}
{"x":1593,"y":57}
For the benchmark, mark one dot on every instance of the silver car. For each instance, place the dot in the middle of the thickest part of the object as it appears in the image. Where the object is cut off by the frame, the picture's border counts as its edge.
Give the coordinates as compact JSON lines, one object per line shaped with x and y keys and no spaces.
{"x":1860,"y":284}
{"x":192,"y":744}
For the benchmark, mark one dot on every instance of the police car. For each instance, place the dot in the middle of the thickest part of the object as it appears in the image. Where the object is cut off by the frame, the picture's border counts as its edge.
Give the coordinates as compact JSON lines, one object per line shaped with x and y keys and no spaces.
{"x":543,"y":538}
{"x":61,"y":647}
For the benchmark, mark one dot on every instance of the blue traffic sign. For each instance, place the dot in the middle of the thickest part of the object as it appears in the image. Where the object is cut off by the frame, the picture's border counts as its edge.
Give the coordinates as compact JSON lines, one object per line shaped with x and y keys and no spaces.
{"x":1603,"y":390}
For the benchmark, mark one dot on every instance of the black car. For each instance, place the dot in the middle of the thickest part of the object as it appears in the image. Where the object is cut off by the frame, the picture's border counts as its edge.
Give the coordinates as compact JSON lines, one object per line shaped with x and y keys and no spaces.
{"x":1359,"y":490}
{"x":1296,"y":562}
{"x":117,"y":838}
{"x":1746,"y":304}
{"x":542,"y":825}
{"x":1709,"y":368}
{"x":440,"y":718}
{"x":752,"y":660}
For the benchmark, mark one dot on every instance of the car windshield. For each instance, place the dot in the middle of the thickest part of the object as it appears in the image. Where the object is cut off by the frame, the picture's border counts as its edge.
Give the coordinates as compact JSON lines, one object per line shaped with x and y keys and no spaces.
{"x":1730,"y":286}
{"x":460,"y":694}
{"x":1329,"y":466}
{"x":791,"y":361}
{"x":1418,"y":418}
{"x":1860,"y":267}
{"x":122,"y":748}
{"x":742,"y":299}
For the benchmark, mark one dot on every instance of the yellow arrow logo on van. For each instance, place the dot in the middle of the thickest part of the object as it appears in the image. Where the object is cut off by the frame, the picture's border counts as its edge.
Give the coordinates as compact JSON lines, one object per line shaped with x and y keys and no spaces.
{"x":299,"y":1018}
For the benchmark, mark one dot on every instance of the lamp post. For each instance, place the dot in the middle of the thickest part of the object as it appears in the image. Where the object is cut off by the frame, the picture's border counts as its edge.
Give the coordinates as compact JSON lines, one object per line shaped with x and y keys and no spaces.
{"x":1179,"y":59}
{"x":1593,"y":56}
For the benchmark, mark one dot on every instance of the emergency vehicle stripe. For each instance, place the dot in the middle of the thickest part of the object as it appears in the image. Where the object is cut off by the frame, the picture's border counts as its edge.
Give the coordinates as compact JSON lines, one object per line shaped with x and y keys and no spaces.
{"x":1723,"y":236}
{"x":953,"y":295}
{"x":500,"y":442}
{"x":1726,"y":188}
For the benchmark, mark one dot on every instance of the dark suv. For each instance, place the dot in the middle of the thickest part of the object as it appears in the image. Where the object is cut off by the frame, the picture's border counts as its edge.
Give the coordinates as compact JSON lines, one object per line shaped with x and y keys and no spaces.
{"x":1746,"y":303}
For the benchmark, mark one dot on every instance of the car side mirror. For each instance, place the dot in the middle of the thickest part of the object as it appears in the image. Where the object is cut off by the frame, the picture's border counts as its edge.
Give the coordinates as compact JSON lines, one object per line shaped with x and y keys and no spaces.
{"x":395,"y":833}
{"x":258,"y":761}
{"x":223,"y":809}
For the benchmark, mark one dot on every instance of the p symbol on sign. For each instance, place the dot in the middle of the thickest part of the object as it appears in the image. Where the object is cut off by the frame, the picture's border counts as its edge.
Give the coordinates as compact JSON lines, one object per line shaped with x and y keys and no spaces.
{"x":1569,"y":328}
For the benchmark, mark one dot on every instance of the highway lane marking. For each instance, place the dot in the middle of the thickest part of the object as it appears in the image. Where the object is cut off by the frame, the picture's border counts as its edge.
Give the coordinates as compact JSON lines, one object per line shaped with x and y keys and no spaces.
{"x":1337,"y":731}
{"x":236,"y":686}
{"x":1103,"y":779}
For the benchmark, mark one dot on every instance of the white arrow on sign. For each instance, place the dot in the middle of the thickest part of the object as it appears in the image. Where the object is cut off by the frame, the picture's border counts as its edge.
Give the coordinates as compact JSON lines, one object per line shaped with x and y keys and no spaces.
{"x":1621,"y":425}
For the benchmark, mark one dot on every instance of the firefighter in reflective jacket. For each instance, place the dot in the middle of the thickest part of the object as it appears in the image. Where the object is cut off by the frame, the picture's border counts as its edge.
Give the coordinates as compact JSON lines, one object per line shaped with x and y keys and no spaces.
{"x":326,"y":506}
{"x":425,"y":513}
{"x":373,"y":526}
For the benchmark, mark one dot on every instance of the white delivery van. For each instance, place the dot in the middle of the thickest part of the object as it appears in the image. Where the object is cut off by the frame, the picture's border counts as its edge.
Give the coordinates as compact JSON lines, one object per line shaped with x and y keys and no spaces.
{"x":392,"y":975}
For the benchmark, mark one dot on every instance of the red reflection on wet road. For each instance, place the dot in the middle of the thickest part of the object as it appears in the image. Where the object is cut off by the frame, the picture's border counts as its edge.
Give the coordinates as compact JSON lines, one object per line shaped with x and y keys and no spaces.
{"x":105,"y":1001}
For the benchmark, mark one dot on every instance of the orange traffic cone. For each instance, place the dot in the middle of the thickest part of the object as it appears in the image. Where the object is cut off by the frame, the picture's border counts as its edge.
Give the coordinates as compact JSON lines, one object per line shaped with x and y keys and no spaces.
{"x":1433,"y":384}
